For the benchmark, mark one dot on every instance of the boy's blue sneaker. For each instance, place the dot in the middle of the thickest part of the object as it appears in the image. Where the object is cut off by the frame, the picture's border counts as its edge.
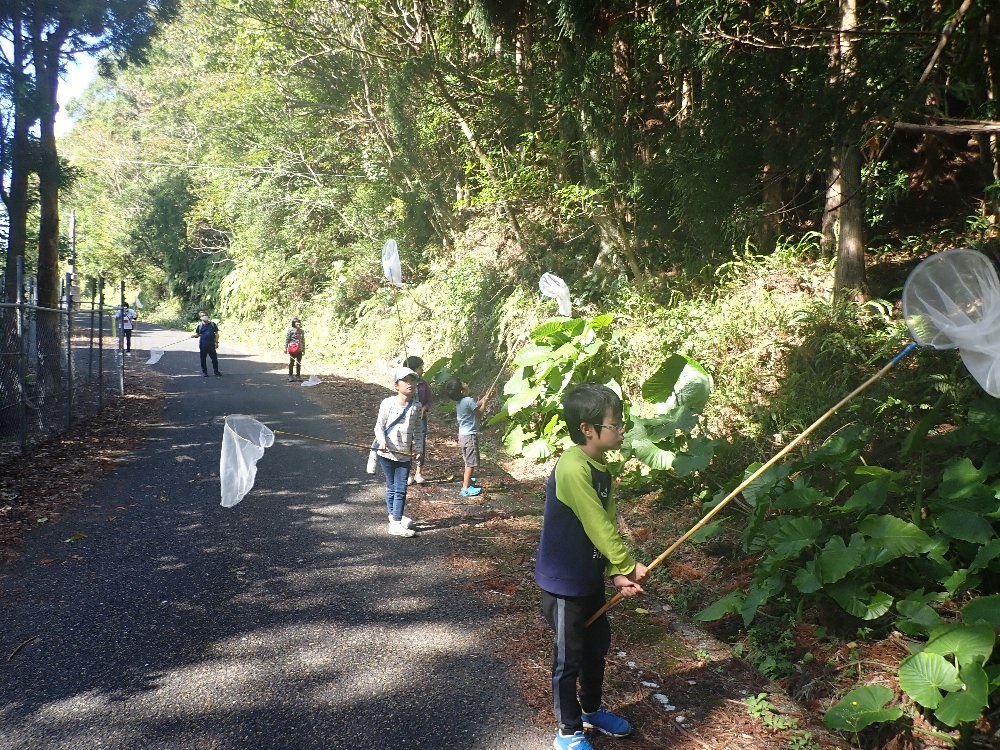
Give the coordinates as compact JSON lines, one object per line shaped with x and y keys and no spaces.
{"x":470,"y":492}
{"x":576,"y":741}
{"x":607,"y":723}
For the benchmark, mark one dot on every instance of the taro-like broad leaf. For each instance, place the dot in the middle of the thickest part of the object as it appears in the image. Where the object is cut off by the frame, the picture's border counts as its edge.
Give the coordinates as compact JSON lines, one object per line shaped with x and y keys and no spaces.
{"x":836,"y":560}
{"x":960,"y":479}
{"x":923,"y":676}
{"x":868,"y":498}
{"x":602,"y":321}
{"x":853,"y":598}
{"x":652,"y":455}
{"x":679,"y":380}
{"x":539,"y":449}
{"x":966,"y":704}
{"x":861,"y":708}
{"x":513,"y":441}
{"x":532,"y":354}
{"x":965,"y":525}
{"x":727,"y":605}
{"x":970,"y":644}
{"x":697,"y":457}
{"x":896,"y":536}
{"x":984,"y":609}
{"x":792,"y":535}
{"x":986,"y":555}
{"x":916,"y":618}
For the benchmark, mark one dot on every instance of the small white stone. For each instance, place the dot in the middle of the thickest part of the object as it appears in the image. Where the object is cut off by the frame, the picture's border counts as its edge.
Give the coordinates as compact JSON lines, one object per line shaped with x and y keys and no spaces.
{"x":649,"y":684}
{"x":631,"y":664}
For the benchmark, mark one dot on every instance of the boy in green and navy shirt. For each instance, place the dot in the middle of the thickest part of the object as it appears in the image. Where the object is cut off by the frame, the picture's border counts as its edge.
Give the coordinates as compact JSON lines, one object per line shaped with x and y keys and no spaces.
{"x":579,"y":545}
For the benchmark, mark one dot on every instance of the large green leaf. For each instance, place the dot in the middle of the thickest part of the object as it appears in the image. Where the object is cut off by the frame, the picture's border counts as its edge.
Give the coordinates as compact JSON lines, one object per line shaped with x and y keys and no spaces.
{"x":970,"y":644}
{"x":532,"y":354}
{"x":965,"y":525}
{"x":652,"y":455}
{"x":916,"y":618}
{"x":984,"y":609}
{"x":679,"y":380}
{"x":539,"y":449}
{"x":868,"y":498}
{"x":896,"y":536}
{"x":862,"y":707}
{"x":966,"y":705}
{"x":727,"y":605}
{"x":854,"y":599}
{"x":697,"y":457}
{"x":789,"y":536}
{"x":923,"y":676}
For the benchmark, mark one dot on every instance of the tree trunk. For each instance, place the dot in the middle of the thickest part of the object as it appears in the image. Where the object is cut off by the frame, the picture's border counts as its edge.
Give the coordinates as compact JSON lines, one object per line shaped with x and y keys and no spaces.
{"x":831,"y":211}
{"x":16,"y":199}
{"x":849,"y":280}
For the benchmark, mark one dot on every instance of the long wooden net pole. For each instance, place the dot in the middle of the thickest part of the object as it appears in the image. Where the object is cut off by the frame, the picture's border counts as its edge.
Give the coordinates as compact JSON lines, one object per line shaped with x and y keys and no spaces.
{"x":746,"y":482}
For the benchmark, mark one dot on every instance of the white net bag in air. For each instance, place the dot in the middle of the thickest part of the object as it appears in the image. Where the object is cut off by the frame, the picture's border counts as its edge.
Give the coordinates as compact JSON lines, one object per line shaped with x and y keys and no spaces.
{"x":951,"y":300}
{"x":552,"y":286}
{"x":390,"y":263}
{"x":243,"y":443}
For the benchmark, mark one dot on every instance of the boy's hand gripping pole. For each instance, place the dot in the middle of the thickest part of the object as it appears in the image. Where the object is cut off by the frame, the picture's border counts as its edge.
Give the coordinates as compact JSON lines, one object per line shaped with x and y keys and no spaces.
{"x":746,"y":482}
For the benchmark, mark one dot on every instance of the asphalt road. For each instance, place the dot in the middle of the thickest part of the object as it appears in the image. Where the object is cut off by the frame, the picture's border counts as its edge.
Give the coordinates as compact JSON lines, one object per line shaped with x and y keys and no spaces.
{"x":290,"y":621}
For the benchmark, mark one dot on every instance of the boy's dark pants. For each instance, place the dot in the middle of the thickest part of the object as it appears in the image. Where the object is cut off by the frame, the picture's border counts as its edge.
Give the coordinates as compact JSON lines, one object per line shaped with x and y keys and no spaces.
{"x":578,"y":656}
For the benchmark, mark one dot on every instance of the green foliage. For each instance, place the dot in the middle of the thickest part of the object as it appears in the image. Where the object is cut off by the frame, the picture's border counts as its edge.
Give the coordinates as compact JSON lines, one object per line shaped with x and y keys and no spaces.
{"x":862,"y":707}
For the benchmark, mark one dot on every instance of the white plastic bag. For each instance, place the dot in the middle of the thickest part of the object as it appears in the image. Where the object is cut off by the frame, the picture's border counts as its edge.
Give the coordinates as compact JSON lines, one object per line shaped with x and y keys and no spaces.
{"x":390,"y":263}
{"x":244,"y":441}
{"x":552,"y":286}
{"x":952,"y":300}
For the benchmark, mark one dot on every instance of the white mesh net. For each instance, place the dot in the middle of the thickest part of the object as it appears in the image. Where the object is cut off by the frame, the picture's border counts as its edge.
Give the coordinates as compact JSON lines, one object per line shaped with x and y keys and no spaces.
{"x":390,"y":263}
{"x":243,"y":443}
{"x":952,"y":300}
{"x":552,"y":286}
{"x":311,"y":381}
{"x":154,"y":356}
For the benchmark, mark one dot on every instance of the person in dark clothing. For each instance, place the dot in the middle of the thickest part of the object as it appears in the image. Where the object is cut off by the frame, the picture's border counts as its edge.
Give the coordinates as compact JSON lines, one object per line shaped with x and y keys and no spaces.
{"x":207,"y":334}
{"x":295,"y":347}
{"x":580,"y":548}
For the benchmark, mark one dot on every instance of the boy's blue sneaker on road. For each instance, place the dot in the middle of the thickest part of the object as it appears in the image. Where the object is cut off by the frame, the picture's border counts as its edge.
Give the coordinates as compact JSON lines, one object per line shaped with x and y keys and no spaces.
{"x":576,"y":741}
{"x":470,"y":491}
{"x":607,"y":723}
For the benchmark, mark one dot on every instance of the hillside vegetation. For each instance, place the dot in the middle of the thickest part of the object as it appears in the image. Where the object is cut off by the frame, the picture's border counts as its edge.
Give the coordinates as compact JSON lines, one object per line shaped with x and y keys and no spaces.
{"x":734,"y":192}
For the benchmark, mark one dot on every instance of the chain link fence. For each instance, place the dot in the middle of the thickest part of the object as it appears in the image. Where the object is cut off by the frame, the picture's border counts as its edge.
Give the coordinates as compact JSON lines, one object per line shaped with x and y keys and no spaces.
{"x":57,"y":366}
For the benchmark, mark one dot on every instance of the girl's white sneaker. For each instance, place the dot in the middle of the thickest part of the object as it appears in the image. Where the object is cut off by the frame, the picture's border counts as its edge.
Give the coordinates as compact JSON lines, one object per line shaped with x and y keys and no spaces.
{"x":397,"y":529}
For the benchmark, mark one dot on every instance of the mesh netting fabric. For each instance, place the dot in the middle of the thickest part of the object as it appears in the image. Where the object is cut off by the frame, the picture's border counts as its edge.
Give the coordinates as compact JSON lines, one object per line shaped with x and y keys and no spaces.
{"x":951,"y":300}
{"x":554,"y":287}
{"x":243,"y":443}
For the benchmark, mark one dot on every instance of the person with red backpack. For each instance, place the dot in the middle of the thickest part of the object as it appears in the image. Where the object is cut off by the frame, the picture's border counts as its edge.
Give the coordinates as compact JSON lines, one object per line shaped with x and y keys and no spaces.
{"x":295,"y":347}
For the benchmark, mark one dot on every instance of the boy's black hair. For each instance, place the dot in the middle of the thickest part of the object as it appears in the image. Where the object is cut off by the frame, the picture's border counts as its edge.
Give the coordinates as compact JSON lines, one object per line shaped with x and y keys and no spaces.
{"x":588,"y":403}
{"x":453,"y":388}
{"x":413,"y":362}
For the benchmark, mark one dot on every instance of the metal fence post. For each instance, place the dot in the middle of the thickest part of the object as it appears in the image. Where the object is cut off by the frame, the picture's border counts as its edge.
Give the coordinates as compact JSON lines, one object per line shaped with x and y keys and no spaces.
{"x":22,"y":356}
{"x":100,"y":345}
{"x":69,"y":351}
{"x":121,"y":335}
{"x":90,"y":358}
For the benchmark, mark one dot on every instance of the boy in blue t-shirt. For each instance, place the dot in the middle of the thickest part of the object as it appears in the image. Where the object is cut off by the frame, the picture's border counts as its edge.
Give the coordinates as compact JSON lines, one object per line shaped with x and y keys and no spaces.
{"x":467,"y":410}
{"x":579,"y":548}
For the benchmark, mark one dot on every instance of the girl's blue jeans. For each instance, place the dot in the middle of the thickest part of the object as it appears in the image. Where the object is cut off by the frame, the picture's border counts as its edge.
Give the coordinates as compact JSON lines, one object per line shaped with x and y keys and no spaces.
{"x":396,"y":473}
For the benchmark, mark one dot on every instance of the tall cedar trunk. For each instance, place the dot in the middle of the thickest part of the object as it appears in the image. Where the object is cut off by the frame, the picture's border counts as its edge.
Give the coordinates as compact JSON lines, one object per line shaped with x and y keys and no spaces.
{"x":831,"y":211}
{"x":850,"y":275}
{"x":849,"y":280}
{"x":16,"y":200}
{"x":46,"y":56}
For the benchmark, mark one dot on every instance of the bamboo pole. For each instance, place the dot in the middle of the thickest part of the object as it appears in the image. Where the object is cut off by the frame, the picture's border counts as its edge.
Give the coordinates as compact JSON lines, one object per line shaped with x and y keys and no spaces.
{"x":746,"y":482}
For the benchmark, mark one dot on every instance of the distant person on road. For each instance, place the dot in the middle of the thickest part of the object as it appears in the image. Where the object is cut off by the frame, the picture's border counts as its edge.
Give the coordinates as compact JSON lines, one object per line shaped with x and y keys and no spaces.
{"x":207,"y":334}
{"x":398,"y":440}
{"x":467,"y":411}
{"x":579,"y":546}
{"x":295,"y":347}
{"x":126,"y":318}
{"x":426,"y":399}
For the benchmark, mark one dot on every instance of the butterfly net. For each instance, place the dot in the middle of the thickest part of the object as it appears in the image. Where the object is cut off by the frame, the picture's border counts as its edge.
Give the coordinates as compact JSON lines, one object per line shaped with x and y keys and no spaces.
{"x":951,"y":300}
{"x":554,"y":287}
{"x":243,"y":443}
{"x":390,"y":263}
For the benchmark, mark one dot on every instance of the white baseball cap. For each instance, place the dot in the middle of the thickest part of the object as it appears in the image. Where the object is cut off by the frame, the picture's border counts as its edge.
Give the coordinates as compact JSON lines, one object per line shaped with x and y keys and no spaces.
{"x":402,"y":373}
